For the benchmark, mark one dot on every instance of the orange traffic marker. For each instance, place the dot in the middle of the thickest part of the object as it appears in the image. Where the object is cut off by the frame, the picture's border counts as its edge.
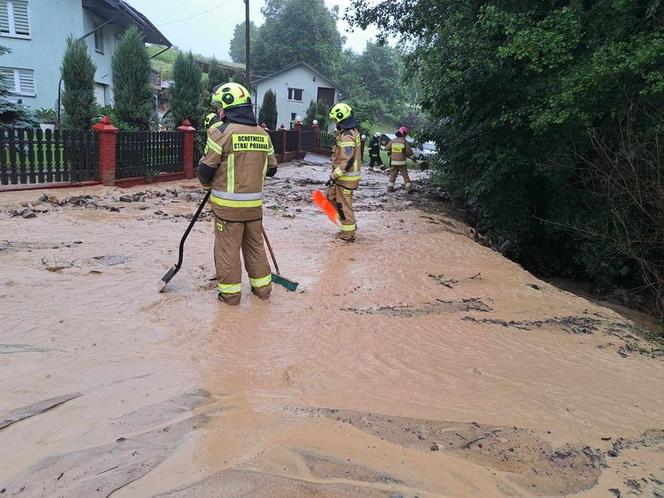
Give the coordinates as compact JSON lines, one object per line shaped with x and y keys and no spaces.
{"x":326,"y":206}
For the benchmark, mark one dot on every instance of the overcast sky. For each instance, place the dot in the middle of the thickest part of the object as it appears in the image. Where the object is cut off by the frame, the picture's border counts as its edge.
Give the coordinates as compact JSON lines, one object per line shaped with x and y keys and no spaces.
{"x":206,"y":26}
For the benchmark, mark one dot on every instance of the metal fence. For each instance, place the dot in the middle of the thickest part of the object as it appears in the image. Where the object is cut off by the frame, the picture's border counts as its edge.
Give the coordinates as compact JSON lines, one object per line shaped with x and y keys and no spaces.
{"x":275,"y":136}
{"x":148,"y":153}
{"x":326,"y":140}
{"x":33,"y":156}
{"x":307,"y":144}
{"x":291,"y":140}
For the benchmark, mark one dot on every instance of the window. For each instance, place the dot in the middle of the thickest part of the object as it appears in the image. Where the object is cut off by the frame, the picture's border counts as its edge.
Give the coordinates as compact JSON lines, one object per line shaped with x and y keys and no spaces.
{"x":19,"y":81}
{"x":14,"y":18}
{"x":99,"y":39}
{"x":293,"y":115}
{"x":295,"y":94}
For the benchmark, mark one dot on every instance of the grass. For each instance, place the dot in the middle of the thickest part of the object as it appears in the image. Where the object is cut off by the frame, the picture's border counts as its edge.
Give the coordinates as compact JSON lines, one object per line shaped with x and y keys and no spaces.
{"x":57,"y":157}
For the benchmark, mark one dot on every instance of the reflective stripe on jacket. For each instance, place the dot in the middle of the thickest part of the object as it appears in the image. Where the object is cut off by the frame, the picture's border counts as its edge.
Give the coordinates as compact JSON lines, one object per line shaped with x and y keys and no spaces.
{"x":241,"y":155}
{"x":400,"y":150}
{"x":347,"y":159}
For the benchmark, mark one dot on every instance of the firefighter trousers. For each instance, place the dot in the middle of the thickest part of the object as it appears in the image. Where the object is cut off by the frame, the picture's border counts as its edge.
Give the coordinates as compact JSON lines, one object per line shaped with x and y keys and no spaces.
{"x":375,"y":161}
{"x":395,"y":171}
{"x":342,"y":198}
{"x":231,"y":237}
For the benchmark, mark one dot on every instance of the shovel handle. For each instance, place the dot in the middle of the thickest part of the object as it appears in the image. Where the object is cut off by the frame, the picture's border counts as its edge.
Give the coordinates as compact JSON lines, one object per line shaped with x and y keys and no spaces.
{"x":191,"y":225}
{"x":269,"y":247}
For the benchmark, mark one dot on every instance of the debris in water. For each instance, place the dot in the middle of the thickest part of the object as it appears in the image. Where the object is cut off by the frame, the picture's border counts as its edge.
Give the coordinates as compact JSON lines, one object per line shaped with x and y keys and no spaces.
{"x":110,"y":260}
{"x":38,"y":408}
{"x":441,"y":280}
{"x":58,"y":265}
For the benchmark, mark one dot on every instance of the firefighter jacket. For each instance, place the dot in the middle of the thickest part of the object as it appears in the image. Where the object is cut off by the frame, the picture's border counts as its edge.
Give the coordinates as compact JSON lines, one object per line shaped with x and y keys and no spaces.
{"x":399,"y":150}
{"x":241,"y":155}
{"x":374,"y":147}
{"x":347,"y":159}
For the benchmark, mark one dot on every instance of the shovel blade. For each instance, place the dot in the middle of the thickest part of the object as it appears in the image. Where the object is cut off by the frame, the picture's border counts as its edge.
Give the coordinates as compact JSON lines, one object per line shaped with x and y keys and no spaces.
{"x":168,"y":277}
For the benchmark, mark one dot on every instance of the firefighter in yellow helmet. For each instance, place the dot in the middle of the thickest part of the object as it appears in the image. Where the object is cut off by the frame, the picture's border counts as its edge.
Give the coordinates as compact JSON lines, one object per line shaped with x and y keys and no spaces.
{"x":211,"y":119}
{"x":398,"y":150}
{"x":346,"y":162}
{"x":238,"y":157}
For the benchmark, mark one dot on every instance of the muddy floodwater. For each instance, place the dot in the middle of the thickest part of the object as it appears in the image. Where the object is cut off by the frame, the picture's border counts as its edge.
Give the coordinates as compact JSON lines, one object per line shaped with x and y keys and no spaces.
{"x":414,"y":362}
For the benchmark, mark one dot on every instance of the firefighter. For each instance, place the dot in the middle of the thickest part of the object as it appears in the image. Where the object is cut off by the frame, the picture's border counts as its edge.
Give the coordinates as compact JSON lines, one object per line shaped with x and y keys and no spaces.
{"x":399,"y":150}
{"x":346,"y":163}
{"x":374,"y":153}
{"x":211,"y":119}
{"x":238,"y":156}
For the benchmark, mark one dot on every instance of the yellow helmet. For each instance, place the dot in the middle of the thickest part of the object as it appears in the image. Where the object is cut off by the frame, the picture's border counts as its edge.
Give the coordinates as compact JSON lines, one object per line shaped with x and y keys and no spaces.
{"x":228,"y":95}
{"x":211,"y":118}
{"x":340,"y":111}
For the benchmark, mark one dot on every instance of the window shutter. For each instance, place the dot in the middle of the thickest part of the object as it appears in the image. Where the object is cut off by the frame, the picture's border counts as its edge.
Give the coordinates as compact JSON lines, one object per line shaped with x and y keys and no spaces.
{"x":27,"y":80}
{"x":7,"y":75}
{"x":21,"y":24}
{"x":4,"y":17}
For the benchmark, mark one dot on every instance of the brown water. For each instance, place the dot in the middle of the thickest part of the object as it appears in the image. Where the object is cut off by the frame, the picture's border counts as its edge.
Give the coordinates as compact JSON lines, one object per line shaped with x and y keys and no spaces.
{"x":448,"y":383}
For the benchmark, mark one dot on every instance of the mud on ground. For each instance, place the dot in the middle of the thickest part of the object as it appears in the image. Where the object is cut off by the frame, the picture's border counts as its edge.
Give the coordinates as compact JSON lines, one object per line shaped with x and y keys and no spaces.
{"x":414,"y":362}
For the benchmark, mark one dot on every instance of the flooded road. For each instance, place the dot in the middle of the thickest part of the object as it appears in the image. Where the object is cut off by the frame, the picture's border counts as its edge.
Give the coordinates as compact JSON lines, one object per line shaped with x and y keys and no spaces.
{"x":414,"y":362}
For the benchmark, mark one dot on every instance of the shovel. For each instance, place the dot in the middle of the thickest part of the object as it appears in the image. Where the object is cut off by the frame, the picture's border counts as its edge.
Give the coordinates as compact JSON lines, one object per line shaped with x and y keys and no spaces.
{"x":326,"y":206}
{"x":176,"y":268}
{"x":277,"y":278}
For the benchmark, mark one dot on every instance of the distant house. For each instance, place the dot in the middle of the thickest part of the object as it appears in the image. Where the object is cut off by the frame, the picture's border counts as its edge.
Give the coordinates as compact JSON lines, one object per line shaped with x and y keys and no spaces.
{"x":296,"y":87}
{"x":36,"y":31}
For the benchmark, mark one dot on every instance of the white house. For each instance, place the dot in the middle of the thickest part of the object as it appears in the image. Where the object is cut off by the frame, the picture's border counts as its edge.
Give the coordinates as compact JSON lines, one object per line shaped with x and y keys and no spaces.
{"x":36,"y":31}
{"x":296,"y":87}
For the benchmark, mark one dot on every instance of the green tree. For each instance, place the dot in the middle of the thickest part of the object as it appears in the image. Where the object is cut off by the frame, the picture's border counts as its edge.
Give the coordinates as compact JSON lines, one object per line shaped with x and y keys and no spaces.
{"x":318,"y":111}
{"x":535,"y":111}
{"x":216,"y":75}
{"x":78,"y":75}
{"x":185,"y":91}
{"x":298,"y":31}
{"x":133,"y":94}
{"x":380,"y":70}
{"x":268,"y":111}
{"x":238,"y":43}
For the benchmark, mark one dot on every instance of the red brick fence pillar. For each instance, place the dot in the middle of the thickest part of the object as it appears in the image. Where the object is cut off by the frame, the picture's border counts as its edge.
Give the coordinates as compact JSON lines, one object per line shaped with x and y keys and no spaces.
{"x":106,"y":143}
{"x":188,"y":148}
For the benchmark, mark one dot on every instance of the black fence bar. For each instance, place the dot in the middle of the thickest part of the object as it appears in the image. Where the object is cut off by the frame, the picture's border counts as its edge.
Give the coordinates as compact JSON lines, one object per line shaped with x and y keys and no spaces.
{"x":326,"y":140}
{"x":307,"y":143}
{"x":291,"y":141}
{"x":32,"y":156}
{"x":148,"y":153}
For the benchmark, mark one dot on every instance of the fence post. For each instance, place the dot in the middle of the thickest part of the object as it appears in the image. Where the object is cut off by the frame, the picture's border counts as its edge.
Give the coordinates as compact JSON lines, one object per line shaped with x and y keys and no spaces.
{"x":314,"y":129}
{"x":282,"y":159}
{"x":188,"y":148}
{"x":107,"y":139}
{"x":363,"y":142}
{"x":298,"y":130}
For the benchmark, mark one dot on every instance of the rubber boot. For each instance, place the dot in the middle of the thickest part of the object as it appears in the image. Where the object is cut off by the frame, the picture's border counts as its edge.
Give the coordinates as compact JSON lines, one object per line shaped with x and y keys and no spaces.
{"x":229,"y":299}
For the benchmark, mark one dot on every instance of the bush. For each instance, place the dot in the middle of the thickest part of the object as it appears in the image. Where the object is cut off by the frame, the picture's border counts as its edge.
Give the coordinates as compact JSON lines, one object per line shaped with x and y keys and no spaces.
{"x":318,"y":111}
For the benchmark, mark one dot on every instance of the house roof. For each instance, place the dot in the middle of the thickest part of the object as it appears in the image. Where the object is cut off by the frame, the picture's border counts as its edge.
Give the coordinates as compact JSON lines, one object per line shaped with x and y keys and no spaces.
{"x":125,"y":15}
{"x":292,"y":66}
